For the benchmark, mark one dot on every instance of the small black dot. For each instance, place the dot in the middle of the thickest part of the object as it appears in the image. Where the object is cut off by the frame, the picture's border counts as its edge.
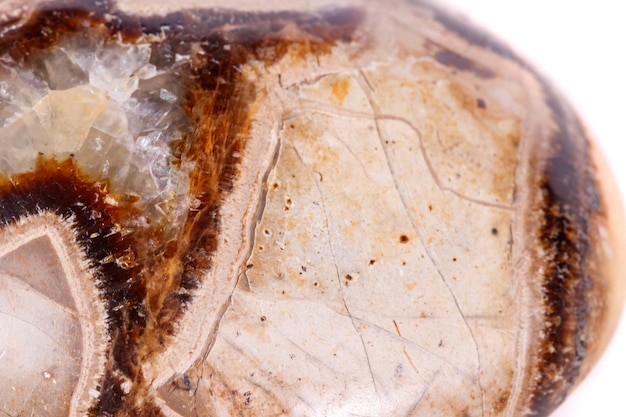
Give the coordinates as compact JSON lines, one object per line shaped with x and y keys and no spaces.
{"x":481,"y":103}
{"x":494,"y":231}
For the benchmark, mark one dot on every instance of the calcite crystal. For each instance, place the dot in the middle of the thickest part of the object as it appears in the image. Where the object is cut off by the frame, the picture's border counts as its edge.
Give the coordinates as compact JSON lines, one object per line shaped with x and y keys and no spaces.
{"x":292,"y":209}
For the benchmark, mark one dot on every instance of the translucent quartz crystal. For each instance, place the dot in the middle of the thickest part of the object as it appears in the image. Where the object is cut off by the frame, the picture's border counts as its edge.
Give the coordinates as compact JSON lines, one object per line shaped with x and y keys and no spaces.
{"x":103,"y":103}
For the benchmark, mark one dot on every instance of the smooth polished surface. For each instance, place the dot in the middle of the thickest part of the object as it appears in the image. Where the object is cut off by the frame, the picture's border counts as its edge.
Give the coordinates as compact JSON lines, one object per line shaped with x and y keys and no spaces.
{"x":554,"y":45}
{"x":340,"y":273}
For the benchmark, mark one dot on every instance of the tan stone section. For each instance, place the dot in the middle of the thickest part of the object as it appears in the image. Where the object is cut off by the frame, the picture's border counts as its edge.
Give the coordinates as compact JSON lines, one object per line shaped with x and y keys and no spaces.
{"x":360,"y":240}
{"x":52,"y":322}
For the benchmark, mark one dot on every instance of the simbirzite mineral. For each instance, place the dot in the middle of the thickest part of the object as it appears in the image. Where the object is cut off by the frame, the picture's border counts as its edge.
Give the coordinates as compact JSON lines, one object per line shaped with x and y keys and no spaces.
{"x":291,"y":209}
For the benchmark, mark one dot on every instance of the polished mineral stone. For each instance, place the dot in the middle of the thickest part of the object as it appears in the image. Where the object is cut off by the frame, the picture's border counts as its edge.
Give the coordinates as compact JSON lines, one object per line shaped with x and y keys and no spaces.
{"x":292,"y":209}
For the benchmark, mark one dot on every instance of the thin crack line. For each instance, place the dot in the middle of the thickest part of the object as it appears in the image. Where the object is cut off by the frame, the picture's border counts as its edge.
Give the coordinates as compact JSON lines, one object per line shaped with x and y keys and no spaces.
{"x":250,"y":355}
{"x":521,"y":261}
{"x":415,"y":345}
{"x":33,"y":326}
{"x":341,"y":291}
{"x":368,"y":92}
{"x":306,"y":353}
{"x":336,"y":112}
{"x":423,"y":392}
{"x":16,"y":281}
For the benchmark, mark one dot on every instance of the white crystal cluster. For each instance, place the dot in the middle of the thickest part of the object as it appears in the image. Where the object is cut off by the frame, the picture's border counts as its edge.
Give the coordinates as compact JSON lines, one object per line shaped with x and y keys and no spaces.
{"x":107,"y":106}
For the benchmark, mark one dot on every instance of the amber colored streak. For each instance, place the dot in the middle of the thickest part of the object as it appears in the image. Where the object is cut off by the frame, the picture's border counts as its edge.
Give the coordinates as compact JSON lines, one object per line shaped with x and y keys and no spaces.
{"x":219,"y":102}
{"x":114,"y":251}
{"x":59,"y":188}
{"x":145,"y":300}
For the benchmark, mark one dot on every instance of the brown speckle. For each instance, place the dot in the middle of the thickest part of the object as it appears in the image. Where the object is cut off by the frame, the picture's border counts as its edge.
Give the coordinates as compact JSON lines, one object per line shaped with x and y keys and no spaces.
{"x":404,"y":239}
{"x":138,"y":305}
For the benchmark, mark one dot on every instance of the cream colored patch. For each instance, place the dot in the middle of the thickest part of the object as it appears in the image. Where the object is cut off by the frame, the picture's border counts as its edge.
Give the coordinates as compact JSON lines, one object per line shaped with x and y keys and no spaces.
{"x":52,"y":322}
{"x":341,"y":87}
{"x":354,"y":186}
{"x":67,"y":116}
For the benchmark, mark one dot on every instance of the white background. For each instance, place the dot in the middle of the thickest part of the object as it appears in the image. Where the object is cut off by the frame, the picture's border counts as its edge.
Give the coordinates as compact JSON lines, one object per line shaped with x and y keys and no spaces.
{"x":581,"y":46}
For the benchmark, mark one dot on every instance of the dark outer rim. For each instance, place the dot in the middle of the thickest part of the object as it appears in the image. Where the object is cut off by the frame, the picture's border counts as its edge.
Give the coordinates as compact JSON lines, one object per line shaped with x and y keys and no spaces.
{"x":569,"y":201}
{"x":569,"y":193}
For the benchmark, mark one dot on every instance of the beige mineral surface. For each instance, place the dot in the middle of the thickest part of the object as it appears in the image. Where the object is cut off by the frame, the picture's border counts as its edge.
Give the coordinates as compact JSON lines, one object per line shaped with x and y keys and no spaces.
{"x":303,"y":209}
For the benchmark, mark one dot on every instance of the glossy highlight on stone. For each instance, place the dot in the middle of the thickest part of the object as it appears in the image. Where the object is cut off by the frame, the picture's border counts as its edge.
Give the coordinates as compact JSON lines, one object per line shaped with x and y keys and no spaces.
{"x":292,"y":209}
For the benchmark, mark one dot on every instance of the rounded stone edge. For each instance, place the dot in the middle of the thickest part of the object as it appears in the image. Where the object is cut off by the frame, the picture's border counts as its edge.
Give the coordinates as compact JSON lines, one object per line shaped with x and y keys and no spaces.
{"x":569,"y":227}
{"x":569,"y":221}
{"x":610,"y":240}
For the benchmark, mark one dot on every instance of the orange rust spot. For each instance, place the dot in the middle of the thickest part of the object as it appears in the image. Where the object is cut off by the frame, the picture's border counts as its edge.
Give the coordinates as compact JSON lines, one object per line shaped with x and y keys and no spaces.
{"x":340,"y":90}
